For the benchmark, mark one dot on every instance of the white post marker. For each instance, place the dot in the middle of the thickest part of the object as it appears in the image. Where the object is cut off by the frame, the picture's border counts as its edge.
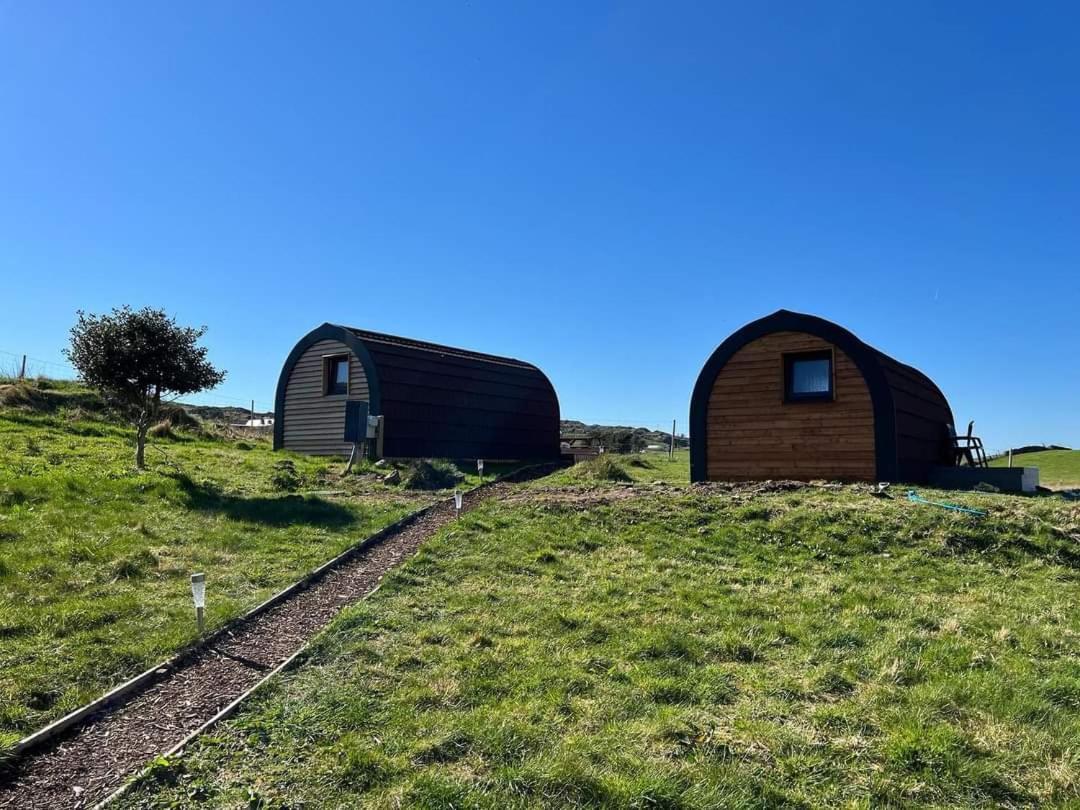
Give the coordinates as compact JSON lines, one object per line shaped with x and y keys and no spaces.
{"x":198,"y":595}
{"x":457,"y":501}
{"x":480,"y":469}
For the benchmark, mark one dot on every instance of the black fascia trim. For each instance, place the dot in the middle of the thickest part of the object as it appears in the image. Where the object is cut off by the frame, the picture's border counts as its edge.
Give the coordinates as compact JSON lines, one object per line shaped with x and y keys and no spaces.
{"x":327,"y":331}
{"x":864,"y":357}
{"x":558,"y":411}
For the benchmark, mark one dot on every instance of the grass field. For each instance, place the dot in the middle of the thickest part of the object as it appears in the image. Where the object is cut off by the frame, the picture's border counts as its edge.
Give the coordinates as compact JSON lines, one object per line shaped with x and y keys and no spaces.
{"x":95,"y":558}
{"x":612,"y":468}
{"x":1058,"y":469}
{"x":614,"y":646}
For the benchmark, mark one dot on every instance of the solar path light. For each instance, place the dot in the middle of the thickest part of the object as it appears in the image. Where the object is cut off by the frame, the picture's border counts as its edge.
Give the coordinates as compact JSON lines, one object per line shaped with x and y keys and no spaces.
{"x":457,"y":501}
{"x":198,"y":596}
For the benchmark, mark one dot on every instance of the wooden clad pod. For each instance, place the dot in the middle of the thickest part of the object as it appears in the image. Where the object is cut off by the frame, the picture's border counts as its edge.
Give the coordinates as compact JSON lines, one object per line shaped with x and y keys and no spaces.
{"x":882,"y":420}
{"x":435,"y":401}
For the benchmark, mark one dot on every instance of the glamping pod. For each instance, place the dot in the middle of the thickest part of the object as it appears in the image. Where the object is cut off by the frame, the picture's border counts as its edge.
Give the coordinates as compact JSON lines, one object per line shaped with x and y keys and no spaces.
{"x":411,"y":399}
{"x":795,"y":396}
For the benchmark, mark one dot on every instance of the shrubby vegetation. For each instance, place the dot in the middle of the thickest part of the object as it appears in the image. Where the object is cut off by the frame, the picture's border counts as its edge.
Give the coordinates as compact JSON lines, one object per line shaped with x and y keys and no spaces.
{"x":604,"y":468}
{"x":431,"y":474}
{"x":620,"y":439}
{"x":138,"y":359}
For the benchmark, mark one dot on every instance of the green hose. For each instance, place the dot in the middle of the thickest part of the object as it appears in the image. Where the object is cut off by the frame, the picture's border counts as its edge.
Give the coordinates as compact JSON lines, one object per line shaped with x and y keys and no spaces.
{"x":914,"y":497}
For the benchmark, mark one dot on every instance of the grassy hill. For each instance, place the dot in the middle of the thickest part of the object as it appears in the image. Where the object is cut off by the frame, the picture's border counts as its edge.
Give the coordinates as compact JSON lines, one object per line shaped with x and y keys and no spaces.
{"x":611,"y":468}
{"x":622,"y":439}
{"x":1058,"y":469}
{"x":95,"y":557}
{"x":593,"y":642}
{"x":223,"y":414}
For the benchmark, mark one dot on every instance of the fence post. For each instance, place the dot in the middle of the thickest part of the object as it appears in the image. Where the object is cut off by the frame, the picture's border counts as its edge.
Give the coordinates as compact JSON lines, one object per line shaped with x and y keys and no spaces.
{"x":22,"y":369}
{"x":671,"y":450}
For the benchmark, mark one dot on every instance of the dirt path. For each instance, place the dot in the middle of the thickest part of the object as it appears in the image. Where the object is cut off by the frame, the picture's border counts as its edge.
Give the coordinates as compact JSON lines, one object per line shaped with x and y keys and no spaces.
{"x":91,"y":761}
{"x":609,"y":493}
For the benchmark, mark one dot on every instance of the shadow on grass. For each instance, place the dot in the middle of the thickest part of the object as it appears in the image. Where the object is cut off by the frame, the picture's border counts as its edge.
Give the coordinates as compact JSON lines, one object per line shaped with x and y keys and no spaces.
{"x":287,"y":510}
{"x":86,"y":426}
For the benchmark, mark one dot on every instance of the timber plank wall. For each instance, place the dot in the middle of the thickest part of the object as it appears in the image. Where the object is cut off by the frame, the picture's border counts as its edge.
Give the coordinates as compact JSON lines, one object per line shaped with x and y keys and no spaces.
{"x":753,"y":433}
{"x":315,"y":422}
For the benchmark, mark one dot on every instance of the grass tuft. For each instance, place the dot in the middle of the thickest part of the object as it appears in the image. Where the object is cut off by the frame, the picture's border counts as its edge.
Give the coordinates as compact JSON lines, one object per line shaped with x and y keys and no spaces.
{"x":136,"y":565}
{"x":431,"y":474}
{"x":601,"y":469}
{"x":362,"y":767}
{"x":285,"y":476}
{"x":162,"y":430}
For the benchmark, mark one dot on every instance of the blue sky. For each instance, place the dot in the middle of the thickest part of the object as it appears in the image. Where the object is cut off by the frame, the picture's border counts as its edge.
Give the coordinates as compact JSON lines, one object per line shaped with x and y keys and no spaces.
{"x":604,"y":190}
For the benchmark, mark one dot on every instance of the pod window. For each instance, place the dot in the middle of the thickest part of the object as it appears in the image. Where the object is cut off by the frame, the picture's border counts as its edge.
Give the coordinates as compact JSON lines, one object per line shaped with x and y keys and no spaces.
{"x":336,"y":375}
{"x":808,"y":376}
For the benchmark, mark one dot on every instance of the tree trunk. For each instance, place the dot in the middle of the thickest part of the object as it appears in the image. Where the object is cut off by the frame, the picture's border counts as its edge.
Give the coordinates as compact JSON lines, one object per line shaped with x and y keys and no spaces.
{"x":147,"y":416}
{"x":140,"y":445}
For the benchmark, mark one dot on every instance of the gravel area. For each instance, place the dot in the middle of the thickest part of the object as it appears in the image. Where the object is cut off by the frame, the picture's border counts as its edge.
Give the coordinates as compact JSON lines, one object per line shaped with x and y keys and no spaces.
{"x":93,"y":759}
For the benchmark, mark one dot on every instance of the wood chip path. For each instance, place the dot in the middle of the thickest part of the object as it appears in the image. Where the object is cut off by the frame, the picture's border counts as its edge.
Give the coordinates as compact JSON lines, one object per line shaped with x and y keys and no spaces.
{"x":90,"y":761}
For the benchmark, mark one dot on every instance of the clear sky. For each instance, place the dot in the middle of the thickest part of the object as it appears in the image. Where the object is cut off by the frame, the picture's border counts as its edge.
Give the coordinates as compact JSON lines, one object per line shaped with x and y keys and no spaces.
{"x":604,"y":190}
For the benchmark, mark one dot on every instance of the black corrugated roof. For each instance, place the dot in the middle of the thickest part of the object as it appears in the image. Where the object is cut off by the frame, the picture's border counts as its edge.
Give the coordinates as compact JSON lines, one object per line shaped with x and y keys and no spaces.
{"x":435,"y":348}
{"x":447,"y":402}
{"x":442,"y":401}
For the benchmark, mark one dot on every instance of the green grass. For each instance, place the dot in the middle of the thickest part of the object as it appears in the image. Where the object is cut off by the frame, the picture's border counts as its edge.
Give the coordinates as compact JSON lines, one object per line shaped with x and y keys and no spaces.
{"x":612,"y":467}
{"x":684,"y":650}
{"x":1058,"y":469}
{"x":95,"y":558}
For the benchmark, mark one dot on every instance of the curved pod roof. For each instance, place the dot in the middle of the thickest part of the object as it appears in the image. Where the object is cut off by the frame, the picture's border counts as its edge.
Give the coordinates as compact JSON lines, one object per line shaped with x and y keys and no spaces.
{"x":442,"y":401}
{"x":885,"y":378}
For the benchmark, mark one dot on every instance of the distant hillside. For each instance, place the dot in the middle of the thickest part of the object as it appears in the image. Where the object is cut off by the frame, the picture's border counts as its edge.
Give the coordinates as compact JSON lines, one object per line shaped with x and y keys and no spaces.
{"x":46,"y":395}
{"x":1058,"y":468}
{"x":622,"y":439}
{"x":228,"y":414}
{"x":1033,"y":448}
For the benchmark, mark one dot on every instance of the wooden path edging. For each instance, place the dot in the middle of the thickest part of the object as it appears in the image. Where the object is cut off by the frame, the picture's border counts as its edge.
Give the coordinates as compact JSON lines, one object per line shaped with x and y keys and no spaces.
{"x":293,"y":659}
{"x":160,"y":670}
{"x":224,"y":714}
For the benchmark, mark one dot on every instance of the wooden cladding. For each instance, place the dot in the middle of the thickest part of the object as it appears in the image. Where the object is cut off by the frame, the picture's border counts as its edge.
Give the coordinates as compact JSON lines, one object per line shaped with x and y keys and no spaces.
{"x":314,"y":421}
{"x":882,"y":421}
{"x":753,"y":433}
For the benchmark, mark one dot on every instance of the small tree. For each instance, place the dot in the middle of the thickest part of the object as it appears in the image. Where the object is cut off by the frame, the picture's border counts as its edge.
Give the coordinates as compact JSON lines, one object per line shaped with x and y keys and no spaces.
{"x":137,"y":358}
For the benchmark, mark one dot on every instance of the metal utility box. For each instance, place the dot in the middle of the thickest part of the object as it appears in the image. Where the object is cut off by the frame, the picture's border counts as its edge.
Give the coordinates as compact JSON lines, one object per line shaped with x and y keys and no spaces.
{"x":356,"y":421}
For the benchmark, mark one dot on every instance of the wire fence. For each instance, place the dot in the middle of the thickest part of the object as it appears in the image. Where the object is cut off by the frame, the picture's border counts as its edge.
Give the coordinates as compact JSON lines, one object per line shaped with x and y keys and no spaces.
{"x":15,"y":365}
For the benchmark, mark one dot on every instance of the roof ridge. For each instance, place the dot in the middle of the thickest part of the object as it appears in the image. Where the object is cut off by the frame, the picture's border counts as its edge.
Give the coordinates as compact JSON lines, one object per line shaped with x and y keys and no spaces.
{"x":435,"y":348}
